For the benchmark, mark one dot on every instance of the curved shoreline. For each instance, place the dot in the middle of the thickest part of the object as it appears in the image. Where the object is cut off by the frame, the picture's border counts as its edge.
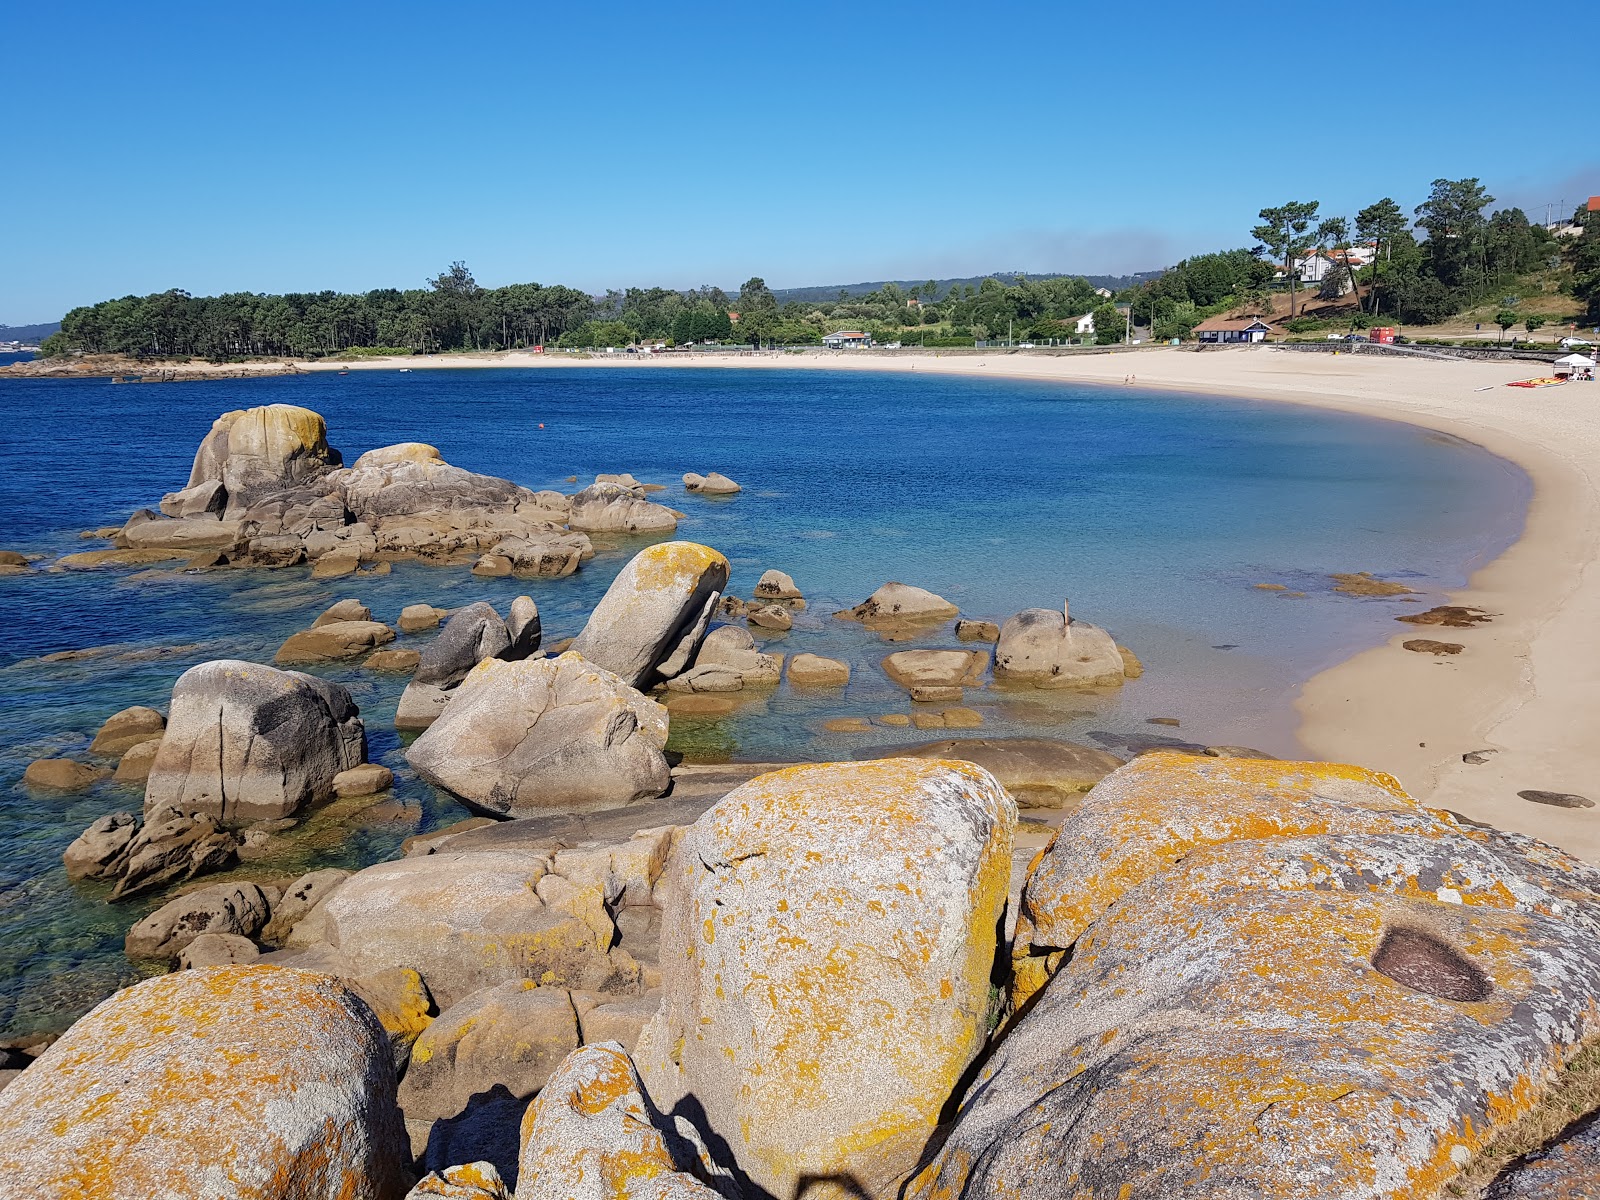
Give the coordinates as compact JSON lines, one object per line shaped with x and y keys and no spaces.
{"x":1525,"y":687}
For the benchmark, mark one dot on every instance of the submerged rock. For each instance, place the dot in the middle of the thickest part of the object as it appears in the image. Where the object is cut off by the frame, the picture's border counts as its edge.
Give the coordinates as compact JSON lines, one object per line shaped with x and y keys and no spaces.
{"x":829,"y":942}
{"x":559,"y":734}
{"x":249,"y":742}
{"x":230,"y":1083}
{"x":812,"y":670}
{"x":62,"y":775}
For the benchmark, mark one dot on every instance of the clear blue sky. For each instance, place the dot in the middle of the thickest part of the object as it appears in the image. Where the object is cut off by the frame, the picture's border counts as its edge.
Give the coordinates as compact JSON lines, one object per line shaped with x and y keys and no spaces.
{"x":289,"y":146}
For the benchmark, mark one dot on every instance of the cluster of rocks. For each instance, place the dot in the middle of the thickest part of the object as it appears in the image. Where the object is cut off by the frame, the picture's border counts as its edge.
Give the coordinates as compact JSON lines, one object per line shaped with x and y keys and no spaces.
{"x":1221,"y":976}
{"x":471,"y":635}
{"x":714,"y":484}
{"x":267,"y":489}
{"x":243,"y":744}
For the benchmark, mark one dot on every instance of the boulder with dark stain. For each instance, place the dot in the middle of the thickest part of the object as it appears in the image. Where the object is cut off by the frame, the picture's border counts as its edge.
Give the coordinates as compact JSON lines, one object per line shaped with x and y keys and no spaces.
{"x":1274,"y":979}
{"x":1429,"y":646}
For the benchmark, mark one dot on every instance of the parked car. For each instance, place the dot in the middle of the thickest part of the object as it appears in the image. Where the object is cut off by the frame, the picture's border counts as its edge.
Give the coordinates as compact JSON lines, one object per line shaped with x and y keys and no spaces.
{"x":1573,"y":343}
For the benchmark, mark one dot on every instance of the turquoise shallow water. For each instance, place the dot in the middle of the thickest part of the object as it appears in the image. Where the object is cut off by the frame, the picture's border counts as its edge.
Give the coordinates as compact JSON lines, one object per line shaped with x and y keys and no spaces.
{"x":1154,"y":513}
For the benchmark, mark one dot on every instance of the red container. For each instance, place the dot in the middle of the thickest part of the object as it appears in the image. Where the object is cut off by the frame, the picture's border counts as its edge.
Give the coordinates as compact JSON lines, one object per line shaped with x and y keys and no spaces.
{"x":1383,"y":335}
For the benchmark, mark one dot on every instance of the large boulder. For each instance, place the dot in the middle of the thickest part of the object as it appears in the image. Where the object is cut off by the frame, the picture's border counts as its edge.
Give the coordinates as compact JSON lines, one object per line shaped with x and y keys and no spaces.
{"x":517,"y":739}
{"x":1038,"y":772}
{"x":732,"y":649}
{"x":900,"y":603}
{"x":653,"y":616}
{"x":1275,"y":979}
{"x":230,"y":1083}
{"x":472,"y":920}
{"x":262,"y":449}
{"x":612,"y":508}
{"x":829,"y":946}
{"x":513,"y":1035}
{"x":96,"y":853}
{"x":1048,"y":649}
{"x":246,"y":742}
{"x":590,"y":1136}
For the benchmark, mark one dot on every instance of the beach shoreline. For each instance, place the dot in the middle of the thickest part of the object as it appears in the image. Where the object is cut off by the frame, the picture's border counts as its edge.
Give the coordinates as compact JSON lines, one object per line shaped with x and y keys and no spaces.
{"x":1523,"y":689}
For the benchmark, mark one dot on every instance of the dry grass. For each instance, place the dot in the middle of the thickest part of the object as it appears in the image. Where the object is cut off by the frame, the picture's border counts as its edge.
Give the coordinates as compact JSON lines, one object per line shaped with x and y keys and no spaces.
{"x":1575,"y":1094}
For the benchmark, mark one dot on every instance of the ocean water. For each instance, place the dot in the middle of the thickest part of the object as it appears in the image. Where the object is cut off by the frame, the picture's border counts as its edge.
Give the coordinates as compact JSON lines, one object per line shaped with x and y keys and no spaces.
{"x":1156,"y":514}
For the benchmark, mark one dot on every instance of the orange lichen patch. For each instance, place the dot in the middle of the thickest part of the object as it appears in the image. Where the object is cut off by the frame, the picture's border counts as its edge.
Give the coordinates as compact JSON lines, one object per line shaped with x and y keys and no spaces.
{"x":1157,"y":808}
{"x":229,"y":1082}
{"x":1230,"y":1021}
{"x":588,"y":1135}
{"x":674,"y":564}
{"x":866,"y":898}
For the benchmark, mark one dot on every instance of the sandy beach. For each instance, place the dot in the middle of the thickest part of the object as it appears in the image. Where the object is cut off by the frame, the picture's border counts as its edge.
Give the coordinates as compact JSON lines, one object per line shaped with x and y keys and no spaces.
{"x":1525,"y":687}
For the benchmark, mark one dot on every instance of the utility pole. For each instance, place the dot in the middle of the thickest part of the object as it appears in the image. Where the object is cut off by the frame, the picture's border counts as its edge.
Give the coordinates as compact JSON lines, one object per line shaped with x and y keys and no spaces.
{"x":1127,"y":326}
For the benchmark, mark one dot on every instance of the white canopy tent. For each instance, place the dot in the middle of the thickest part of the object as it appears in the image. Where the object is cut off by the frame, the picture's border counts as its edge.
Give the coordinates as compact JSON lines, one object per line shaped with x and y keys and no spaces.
{"x":1574,"y":366}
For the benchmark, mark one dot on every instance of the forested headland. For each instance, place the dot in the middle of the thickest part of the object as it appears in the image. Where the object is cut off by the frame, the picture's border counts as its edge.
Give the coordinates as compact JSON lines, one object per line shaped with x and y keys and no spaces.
{"x":1452,"y":252}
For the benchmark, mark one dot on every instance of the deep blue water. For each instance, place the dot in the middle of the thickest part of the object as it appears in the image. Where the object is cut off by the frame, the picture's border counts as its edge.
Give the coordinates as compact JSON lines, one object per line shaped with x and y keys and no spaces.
{"x":1156,"y":514}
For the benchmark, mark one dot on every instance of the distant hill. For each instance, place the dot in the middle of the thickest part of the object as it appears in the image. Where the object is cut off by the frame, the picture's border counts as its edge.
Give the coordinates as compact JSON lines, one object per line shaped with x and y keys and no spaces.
{"x":811,"y":295}
{"x":28,"y":333}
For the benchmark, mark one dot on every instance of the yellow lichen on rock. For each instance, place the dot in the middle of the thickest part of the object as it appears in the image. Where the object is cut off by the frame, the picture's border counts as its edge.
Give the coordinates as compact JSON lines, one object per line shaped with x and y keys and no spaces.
{"x":588,"y":1136}
{"x":223,"y":1083}
{"x":829,"y":943}
{"x":1274,"y":980}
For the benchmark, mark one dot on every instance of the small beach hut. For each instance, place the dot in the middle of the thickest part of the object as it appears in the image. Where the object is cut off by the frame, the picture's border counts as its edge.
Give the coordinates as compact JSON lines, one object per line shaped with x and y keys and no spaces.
{"x":1575,"y":366}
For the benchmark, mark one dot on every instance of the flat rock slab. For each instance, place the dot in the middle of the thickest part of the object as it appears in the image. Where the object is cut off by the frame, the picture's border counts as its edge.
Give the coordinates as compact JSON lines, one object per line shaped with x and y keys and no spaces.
{"x":1556,"y":799}
{"x":1038,"y":772}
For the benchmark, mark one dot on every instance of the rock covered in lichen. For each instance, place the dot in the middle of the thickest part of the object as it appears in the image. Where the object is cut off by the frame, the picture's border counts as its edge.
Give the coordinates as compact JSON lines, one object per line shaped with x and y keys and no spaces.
{"x":653,"y":616}
{"x":1278,"y":980}
{"x":591,"y":1135}
{"x":829,"y":942}
{"x":228,"y":1083}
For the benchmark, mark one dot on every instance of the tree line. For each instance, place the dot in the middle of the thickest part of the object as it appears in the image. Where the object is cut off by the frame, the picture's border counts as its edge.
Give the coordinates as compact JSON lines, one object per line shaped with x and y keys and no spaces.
{"x":1452,"y":252}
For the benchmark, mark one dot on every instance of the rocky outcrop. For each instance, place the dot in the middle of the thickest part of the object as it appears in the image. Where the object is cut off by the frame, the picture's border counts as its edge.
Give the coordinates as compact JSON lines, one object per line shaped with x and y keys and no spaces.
{"x":650,"y":622}
{"x":249,"y":742}
{"x":612,"y":508}
{"x":900,"y":603}
{"x":915,"y":670}
{"x":590,"y":1135}
{"x":829,"y":943}
{"x":267,"y":490}
{"x":511,"y":1035}
{"x":232,"y":1083}
{"x":1046,"y":648}
{"x":1269,"y":976}
{"x":545,"y":735}
{"x":1037,"y":772}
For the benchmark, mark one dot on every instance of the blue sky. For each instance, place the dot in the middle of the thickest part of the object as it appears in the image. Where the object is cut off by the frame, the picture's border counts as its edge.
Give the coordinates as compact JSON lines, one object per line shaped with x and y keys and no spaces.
{"x":352,"y":145}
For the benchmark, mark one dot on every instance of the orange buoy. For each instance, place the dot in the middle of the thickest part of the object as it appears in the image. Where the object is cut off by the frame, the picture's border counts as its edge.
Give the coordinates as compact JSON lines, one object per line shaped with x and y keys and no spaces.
{"x":541,"y":424}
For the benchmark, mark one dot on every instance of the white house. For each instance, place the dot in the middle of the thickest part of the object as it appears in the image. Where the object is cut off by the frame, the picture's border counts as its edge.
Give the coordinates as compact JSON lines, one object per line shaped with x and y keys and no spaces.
{"x":1085,"y":324}
{"x":847,"y":339}
{"x":1231,"y":330}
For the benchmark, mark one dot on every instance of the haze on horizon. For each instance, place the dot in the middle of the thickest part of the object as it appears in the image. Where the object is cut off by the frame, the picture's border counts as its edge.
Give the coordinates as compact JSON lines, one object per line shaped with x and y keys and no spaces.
{"x":216,"y":149}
